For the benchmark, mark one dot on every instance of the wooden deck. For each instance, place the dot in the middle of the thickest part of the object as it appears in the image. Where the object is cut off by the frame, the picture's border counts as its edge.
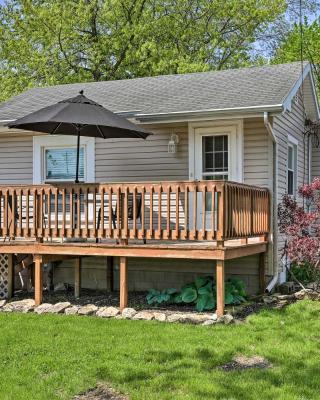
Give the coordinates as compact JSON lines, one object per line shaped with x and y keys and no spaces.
{"x":209,"y":220}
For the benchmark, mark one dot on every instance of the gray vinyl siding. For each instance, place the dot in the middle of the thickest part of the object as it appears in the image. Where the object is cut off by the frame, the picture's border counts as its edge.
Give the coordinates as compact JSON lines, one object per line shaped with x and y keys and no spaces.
{"x":143,"y":160}
{"x":257,"y":154}
{"x":290,"y":123}
{"x":315,"y":162}
{"x":16,"y":158}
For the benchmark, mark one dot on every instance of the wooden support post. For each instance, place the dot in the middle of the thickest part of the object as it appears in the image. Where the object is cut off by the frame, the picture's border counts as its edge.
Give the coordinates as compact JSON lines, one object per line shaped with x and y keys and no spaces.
{"x":220,"y":287}
{"x":262,"y":274}
{"x":10,"y":276}
{"x":123,"y":282}
{"x":110,"y":274}
{"x":38,"y":279}
{"x":77,"y":277}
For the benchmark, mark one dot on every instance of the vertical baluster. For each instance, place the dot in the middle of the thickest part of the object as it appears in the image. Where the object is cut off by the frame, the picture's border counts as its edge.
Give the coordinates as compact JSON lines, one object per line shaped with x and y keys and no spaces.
{"x":151,"y":212}
{"x":94,"y":212}
{"x":167,"y":233}
{"x":195,"y":211}
{"x":34,"y":209}
{"x":124,"y":216}
{"x":143,"y":216}
{"x":19,"y":232}
{"x":134,"y":213}
{"x":13,"y":222}
{"x":177,"y":216}
{"x":159,"y":232}
{"x":86,"y":211}
{"x":63,"y":226}
{"x":203,"y":230}
{"x":186,"y":212}
{"x":56,"y":212}
{"x":71,"y":213}
{"x":119,"y":211}
{"x":213,"y":211}
{"x":27,"y":230}
{"x":79,"y":193}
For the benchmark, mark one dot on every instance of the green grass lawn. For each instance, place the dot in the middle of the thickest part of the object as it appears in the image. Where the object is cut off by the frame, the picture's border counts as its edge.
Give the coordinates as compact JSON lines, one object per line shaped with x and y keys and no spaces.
{"x":55,"y":357}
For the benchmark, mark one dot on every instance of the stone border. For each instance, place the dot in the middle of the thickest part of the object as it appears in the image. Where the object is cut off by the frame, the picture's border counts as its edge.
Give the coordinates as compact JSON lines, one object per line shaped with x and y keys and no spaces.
{"x":28,"y":305}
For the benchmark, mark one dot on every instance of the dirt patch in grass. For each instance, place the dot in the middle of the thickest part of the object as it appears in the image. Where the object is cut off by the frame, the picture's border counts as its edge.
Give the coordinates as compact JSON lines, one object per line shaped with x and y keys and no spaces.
{"x":243,"y":362}
{"x":101,"y":392}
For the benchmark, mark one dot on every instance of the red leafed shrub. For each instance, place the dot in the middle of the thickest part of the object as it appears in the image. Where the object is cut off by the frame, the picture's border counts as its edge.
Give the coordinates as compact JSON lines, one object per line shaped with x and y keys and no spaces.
{"x":301,"y":225}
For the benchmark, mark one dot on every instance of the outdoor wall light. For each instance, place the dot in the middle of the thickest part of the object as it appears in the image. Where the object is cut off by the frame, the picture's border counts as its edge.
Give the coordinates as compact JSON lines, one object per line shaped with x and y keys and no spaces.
{"x":173,"y":142}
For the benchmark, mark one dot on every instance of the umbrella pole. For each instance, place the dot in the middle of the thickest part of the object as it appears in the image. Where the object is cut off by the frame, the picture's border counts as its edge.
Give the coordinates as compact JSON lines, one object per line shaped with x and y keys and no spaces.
{"x":78,"y":156}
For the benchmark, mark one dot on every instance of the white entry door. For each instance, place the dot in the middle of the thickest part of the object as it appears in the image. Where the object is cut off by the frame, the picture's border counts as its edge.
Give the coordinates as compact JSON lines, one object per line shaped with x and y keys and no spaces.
{"x":217,"y":156}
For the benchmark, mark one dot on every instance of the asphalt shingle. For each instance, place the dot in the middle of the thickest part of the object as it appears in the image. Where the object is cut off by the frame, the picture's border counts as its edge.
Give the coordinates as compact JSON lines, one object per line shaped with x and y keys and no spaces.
{"x":236,"y":88}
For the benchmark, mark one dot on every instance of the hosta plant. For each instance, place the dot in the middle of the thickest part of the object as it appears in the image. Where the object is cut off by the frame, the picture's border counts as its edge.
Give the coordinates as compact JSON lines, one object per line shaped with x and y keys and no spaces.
{"x":159,"y":297}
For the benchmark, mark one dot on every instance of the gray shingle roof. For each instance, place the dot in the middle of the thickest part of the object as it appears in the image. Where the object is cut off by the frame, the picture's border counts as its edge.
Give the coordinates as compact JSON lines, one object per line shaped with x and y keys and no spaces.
{"x":236,"y":88}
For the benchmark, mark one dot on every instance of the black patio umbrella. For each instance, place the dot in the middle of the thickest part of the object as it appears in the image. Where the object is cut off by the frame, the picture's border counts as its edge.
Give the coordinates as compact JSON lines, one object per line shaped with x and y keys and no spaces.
{"x":79,"y":116}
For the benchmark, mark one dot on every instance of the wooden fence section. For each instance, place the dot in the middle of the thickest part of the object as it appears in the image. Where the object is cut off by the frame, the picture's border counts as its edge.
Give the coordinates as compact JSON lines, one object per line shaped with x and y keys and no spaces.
{"x":206,"y":210}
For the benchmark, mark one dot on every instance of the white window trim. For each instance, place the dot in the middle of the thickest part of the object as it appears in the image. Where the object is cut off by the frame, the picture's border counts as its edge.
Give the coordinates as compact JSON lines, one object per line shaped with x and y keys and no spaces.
{"x":294,"y":143}
{"x":56,"y":141}
{"x":234,"y":130}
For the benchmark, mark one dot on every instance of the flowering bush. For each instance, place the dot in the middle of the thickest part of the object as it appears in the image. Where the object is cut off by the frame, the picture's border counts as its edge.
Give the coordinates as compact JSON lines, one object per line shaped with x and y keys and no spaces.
{"x":300,"y":224}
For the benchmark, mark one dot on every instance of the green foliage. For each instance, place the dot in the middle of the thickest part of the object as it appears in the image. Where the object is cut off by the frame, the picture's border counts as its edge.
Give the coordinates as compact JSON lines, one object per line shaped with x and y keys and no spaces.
{"x":306,"y":273}
{"x":65,"y":41}
{"x":290,"y":48}
{"x":159,"y":297}
{"x":201,"y":293}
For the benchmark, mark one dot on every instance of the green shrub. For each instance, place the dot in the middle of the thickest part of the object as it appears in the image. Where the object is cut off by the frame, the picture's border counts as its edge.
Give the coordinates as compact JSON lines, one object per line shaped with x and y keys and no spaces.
{"x":201,"y":293}
{"x":305,"y":273}
{"x":159,"y":297}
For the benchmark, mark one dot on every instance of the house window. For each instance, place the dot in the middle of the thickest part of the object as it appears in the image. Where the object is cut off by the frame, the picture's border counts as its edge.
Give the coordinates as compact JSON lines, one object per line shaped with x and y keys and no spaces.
{"x":55,"y":158}
{"x":60,"y":164}
{"x":292,"y":167}
{"x":215,"y":157}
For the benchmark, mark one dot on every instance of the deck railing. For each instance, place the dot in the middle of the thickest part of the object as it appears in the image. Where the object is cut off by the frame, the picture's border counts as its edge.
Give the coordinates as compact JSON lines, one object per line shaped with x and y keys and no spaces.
{"x":205,"y":210}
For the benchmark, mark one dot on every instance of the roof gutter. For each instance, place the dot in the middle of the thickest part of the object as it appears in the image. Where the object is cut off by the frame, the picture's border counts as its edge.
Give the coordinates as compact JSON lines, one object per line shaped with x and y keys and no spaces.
{"x":189,"y":114}
{"x":273,"y":206}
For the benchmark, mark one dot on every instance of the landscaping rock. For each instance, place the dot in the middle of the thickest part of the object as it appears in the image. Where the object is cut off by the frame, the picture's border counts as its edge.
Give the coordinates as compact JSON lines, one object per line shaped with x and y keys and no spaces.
{"x":88,"y":309}
{"x":128,"y":313}
{"x":209,"y":322}
{"x":2,"y":303}
{"x":196,"y":318}
{"x":269,"y":299}
{"x":283,"y":297}
{"x":161,"y":317}
{"x":43,"y":308}
{"x":144,"y":315}
{"x":23,"y":306}
{"x":108,"y":312}
{"x":226,"y":319}
{"x":59,"y":308}
{"x":302,"y":294}
{"x":72,"y":310}
{"x":176,"y":317}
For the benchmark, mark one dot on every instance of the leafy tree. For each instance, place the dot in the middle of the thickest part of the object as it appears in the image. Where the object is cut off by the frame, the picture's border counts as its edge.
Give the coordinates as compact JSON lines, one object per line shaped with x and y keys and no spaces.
{"x":290,"y":50}
{"x":44,"y":42}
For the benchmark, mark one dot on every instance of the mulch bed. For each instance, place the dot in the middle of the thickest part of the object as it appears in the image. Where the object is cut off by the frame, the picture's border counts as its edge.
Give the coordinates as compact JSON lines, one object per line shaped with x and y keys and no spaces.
{"x":101,"y":393}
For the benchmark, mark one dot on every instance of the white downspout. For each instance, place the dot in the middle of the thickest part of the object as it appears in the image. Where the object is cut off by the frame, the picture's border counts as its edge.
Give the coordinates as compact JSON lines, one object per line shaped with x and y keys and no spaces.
{"x":274,"y":207}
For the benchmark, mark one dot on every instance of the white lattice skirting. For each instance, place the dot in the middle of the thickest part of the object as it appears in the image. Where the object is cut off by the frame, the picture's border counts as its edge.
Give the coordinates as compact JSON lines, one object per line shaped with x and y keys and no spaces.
{"x":4,"y":275}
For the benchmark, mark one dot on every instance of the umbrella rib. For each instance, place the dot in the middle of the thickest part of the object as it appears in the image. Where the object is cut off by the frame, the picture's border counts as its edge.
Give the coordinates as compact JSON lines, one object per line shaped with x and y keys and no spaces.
{"x":56,"y":128}
{"x":100,"y":131}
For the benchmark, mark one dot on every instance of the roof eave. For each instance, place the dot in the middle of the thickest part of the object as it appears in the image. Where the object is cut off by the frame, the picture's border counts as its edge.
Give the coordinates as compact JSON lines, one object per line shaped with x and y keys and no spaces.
{"x":193,"y":114}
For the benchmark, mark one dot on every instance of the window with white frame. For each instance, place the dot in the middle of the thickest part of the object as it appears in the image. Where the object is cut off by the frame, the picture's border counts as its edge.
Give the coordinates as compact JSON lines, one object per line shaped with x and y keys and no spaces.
{"x":55,"y":158}
{"x":292,"y":166}
{"x":215,"y":157}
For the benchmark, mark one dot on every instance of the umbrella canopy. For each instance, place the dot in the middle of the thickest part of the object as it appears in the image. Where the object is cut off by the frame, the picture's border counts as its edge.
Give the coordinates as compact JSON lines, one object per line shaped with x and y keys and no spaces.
{"x":79,"y":116}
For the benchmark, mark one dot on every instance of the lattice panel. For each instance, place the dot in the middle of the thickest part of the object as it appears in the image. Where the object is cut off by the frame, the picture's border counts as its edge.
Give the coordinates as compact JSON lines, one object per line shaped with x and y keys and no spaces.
{"x":4,"y":273}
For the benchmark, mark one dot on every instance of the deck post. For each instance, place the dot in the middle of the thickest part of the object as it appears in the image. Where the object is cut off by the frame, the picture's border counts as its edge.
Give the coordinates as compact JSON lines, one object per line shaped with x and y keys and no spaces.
{"x":77,"y":277}
{"x":38,"y":279}
{"x":10,"y":276}
{"x":123,"y":282}
{"x":220,"y":287}
{"x":110,"y":274}
{"x":262,"y":275}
